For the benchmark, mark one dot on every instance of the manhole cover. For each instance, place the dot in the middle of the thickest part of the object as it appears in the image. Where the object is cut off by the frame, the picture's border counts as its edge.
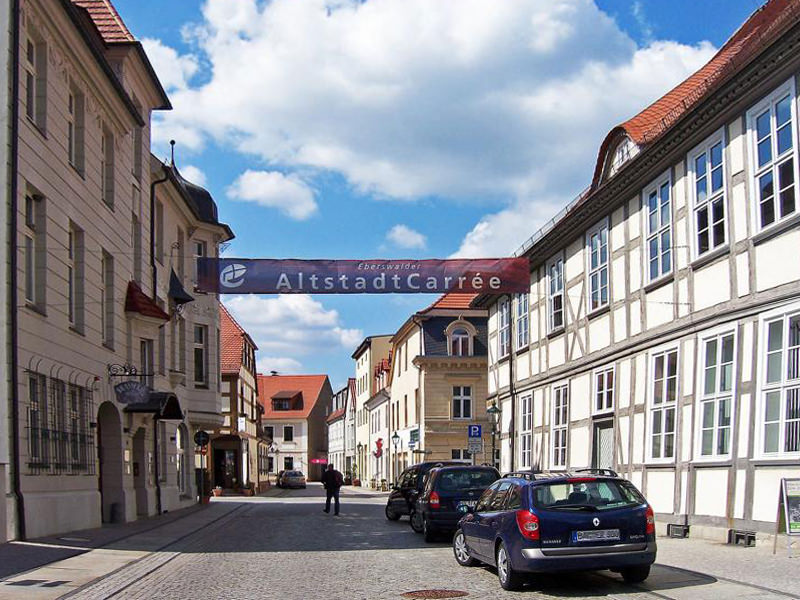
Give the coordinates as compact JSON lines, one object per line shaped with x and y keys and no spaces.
{"x":435,"y":594}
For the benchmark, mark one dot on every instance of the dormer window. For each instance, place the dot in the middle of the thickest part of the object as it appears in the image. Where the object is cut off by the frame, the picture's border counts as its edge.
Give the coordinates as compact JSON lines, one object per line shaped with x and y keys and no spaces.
{"x":624,"y":151}
{"x":460,"y":336}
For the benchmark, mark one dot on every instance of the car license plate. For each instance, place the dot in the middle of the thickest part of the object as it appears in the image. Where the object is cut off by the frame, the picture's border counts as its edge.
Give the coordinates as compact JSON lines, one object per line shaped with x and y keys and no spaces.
{"x":467,"y":503}
{"x":597,"y":535}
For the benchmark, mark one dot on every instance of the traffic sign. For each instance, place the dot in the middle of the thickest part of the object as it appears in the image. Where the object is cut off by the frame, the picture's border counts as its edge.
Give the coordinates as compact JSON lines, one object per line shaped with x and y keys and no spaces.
{"x":201,"y":438}
{"x":474,"y":431}
{"x":475,"y":446}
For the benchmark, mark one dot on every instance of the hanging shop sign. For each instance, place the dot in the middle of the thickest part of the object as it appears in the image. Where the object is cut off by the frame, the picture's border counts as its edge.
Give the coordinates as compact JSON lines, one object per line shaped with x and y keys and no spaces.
{"x":131,"y":392}
{"x":429,"y":276}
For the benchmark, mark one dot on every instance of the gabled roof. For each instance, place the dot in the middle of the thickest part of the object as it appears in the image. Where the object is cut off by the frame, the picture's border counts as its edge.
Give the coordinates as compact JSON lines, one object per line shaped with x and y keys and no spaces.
{"x":136,"y":301}
{"x":452,"y":301}
{"x":351,"y":384}
{"x":232,"y":339}
{"x":107,"y":20}
{"x":336,"y":415}
{"x":310,"y":386}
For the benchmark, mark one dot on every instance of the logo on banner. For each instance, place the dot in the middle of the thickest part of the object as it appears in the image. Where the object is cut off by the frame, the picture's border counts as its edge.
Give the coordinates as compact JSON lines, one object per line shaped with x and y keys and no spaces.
{"x":232,"y":276}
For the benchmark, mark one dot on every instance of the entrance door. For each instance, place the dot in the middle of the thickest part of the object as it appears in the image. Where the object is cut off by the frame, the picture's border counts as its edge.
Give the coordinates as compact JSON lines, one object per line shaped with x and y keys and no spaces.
{"x":109,"y":453}
{"x":225,"y":471}
{"x":140,"y":471}
{"x":603,"y":451}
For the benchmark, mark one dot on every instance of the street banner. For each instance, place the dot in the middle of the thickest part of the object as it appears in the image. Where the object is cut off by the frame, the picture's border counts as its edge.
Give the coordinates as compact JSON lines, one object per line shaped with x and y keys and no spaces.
{"x":429,"y":276}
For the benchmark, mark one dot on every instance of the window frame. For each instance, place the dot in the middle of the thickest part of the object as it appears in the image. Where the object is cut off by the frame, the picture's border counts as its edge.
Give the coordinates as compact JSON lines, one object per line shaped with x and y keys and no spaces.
{"x":704,"y":148}
{"x":462,"y":399}
{"x":526,"y":430}
{"x":769,"y":102}
{"x":291,"y":436}
{"x":107,"y":166}
{"x":522,"y":324}
{"x":656,"y":186}
{"x":701,"y":398}
{"x":663,"y":406}
{"x":202,"y":346}
{"x":504,"y":328}
{"x":559,"y":425}
{"x":598,"y":228}
{"x":107,"y":313}
{"x":556,"y":261}
{"x":604,"y":372}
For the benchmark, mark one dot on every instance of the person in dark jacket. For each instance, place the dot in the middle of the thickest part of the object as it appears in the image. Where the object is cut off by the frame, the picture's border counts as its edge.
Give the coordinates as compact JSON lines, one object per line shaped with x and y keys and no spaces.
{"x":332,"y":480}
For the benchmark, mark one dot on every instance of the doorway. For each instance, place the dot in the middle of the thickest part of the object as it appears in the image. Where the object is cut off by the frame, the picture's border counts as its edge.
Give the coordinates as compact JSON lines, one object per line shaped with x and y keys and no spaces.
{"x":109,"y":454}
{"x":225,"y":467}
{"x":603,"y":447}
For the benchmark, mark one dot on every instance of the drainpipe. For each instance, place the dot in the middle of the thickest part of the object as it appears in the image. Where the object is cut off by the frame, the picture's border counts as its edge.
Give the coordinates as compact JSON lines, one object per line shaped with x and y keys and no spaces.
{"x":511,"y":335}
{"x":153,"y":226}
{"x":157,"y":461}
{"x":12,"y":229}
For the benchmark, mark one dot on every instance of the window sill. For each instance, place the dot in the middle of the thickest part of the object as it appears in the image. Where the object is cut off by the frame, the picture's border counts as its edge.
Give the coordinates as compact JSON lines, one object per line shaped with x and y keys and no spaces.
{"x":36,"y":308}
{"x":556,"y":332}
{"x":36,"y":126}
{"x":657,"y":463}
{"x":599,"y":311}
{"x":522,"y":350}
{"x":74,"y":329}
{"x":108,"y":346}
{"x":778,"y":461}
{"x":201,"y":386}
{"x":709,"y":462}
{"x":504,"y":358}
{"x":108,"y":205}
{"x":78,"y":170}
{"x":776,"y":229}
{"x":709,"y":257}
{"x":660,"y":282}
{"x":606,"y":413}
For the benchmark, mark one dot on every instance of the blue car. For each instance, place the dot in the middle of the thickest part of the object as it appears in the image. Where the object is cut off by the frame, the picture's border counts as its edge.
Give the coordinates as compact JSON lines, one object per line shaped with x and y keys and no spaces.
{"x":535,"y":523}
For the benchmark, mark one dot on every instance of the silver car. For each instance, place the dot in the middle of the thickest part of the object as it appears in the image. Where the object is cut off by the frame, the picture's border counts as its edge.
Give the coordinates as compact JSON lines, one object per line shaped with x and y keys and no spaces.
{"x":293,"y":479}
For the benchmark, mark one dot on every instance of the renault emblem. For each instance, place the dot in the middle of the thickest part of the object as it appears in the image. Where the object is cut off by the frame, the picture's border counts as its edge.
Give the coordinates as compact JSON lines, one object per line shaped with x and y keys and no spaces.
{"x":596,"y":522}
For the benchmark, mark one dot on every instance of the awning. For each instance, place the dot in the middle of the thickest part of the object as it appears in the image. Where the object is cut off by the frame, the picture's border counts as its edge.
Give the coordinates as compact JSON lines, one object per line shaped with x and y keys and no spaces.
{"x":163,"y":405}
{"x":176,"y":291}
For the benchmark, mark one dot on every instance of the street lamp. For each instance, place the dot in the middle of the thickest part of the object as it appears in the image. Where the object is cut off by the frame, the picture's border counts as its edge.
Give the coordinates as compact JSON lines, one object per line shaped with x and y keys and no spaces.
{"x":494,"y":417}
{"x":395,"y":442}
{"x":357,"y":468}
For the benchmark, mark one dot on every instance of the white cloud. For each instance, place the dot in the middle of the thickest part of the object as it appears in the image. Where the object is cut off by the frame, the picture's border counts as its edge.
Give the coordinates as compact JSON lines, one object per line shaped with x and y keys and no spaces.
{"x":283,"y":365}
{"x":288,"y":193}
{"x":291,"y":326}
{"x":463,"y":99}
{"x":405,"y":237}
{"x":194,"y":175}
{"x":174,"y":70}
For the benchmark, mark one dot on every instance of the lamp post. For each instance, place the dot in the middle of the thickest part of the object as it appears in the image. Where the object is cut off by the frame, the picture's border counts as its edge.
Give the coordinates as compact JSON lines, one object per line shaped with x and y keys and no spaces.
{"x":357,"y":468}
{"x":395,"y":442}
{"x":494,"y":418}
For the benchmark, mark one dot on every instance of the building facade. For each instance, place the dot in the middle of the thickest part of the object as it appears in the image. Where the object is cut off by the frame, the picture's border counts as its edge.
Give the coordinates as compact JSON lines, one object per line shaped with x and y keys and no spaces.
{"x":237,"y":446}
{"x":294,"y":419}
{"x":367,"y":356}
{"x":663,"y":319}
{"x":336,"y":428}
{"x":438,"y":383}
{"x":102,"y":425}
{"x":350,"y":430}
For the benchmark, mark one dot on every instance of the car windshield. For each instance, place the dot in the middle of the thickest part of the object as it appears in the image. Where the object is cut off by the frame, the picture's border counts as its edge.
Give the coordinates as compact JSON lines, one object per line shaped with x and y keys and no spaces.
{"x":294,"y":474}
{"x":466,"y":479}
{"x":586,"y":494}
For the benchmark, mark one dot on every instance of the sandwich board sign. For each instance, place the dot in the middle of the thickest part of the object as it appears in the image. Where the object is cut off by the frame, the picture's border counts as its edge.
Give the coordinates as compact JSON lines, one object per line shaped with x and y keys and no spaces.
{"x":790,"y":492}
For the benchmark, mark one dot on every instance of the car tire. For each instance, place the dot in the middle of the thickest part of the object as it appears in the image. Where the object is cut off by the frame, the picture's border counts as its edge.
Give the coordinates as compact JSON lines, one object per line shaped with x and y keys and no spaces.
{"x":428,"y":532}
{"x":390,"y":514}
{"x":417,"y":521}
{"x":635,"y":574}
{"x":461,"y":552}
{"x":509,"y":579}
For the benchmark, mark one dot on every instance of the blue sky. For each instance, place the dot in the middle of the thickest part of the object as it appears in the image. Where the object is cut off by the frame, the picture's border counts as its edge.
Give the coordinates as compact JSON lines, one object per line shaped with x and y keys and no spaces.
{"x":400,"y":128}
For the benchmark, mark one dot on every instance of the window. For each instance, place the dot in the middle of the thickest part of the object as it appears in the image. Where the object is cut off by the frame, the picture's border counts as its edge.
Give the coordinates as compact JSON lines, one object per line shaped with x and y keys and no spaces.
{"x":201,"y":355}
{"x":38,"y":434}
{"x":526,"y":422}
{"x":288,"y":463}
{"x":107,"y":167}
{"x":107,"y":300}
{"x":75,"y":128}
{"x":288,"y":433}
{"x":462,"y":402}
{"x":658,"y":209}
{"x":560,"y":427}
{"x":36,"y":81}
{"x":555,"y":295}
{"x":75,"y":277}
{"x":707,"y":174}
{"x":136,"y":167}
{"x":773,"y":131}
{"x":146,"y":361}
{"x":269,"y":431}
{"x":136,"y":244}
{"x":780,"y":394}
{"x":459,"y":342}
{"x":35,"y":253}
{"x":604,"y":390}
{"x":159,"y":231}
{"x":504,"y":331}
{"x":162,"y":451}
{"x":716,"y":393}
{"x":597,"y":240}
{"x":624,"y":151}
{"x":522,"y":320}
{"x":198,"y":251}
{"x":663,"y":398}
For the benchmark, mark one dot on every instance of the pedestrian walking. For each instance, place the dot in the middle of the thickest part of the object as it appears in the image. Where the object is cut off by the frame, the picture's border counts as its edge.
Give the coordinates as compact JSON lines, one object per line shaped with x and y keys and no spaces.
{"x":332,"y":480}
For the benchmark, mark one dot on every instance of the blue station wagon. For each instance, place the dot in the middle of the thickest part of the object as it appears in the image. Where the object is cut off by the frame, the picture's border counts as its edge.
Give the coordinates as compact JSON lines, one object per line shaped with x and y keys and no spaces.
{"x":534,"y":523}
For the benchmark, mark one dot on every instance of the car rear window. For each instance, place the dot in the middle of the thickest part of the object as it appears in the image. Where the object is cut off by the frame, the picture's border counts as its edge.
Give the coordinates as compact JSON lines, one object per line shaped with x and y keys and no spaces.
{"x":466,"y":479}
{"x":586,"y":494}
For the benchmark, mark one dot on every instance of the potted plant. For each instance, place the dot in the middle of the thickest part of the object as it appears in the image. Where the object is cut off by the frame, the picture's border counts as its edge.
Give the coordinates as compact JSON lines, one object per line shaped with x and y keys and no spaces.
{"x":217,"y":491}
{"x":248,"y":489}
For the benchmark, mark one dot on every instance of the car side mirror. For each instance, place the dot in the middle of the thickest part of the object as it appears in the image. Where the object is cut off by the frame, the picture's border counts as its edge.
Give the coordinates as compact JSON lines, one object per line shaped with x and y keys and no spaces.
{"x":466,"y":510}
{"x":394,"y":487}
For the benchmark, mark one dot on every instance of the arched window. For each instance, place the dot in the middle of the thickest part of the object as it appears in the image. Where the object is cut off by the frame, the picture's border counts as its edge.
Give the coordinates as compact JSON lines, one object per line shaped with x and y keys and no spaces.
{"x":460,"y":342}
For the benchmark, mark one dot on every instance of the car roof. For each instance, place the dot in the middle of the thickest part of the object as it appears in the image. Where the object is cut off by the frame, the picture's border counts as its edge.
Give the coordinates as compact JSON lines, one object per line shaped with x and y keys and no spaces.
{"x":466,"y":466}
{"x":559,"y":476}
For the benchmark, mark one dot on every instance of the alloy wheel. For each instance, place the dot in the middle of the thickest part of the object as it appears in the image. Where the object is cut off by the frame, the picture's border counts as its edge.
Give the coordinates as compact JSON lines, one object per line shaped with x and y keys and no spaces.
{"x":461,"y":548}
{"x":502,"y":564}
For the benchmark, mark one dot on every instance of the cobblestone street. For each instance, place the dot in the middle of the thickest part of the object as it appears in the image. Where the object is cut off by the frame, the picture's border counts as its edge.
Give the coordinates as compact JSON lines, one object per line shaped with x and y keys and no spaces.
{"x":284,"y":546}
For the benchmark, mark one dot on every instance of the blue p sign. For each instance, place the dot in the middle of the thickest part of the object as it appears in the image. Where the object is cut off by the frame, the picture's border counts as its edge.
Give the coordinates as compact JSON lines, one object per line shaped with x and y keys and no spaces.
{"x":473,"y":431}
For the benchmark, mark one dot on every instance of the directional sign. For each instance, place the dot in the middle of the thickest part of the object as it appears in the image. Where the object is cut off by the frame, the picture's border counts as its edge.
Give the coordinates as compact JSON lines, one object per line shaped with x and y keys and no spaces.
{"x":474,"y":431}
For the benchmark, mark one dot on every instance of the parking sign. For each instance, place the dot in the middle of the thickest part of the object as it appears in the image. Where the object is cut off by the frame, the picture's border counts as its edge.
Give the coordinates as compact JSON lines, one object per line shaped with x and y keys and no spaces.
{"x":473,"y":431}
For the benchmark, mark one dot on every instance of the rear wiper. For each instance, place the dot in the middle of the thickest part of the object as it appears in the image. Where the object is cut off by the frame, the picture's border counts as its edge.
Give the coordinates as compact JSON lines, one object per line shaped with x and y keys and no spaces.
{"x":586,"y":507}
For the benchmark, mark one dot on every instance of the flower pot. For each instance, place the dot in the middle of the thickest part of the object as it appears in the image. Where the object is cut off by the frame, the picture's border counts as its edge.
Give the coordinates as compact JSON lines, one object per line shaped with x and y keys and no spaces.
{"x":217,"y":491}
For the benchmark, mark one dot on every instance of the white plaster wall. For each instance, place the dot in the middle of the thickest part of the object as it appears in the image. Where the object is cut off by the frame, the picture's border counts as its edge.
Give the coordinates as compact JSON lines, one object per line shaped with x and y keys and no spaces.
{"x":620,"y":325}
{"x":621,"y":443}
{"x":659,"y":306}
{"x":556,"y":352}
{"x":712,"y":284}
{"x":766,"y":490}
{"x":739,"y":499}
{"x":711,"y":492}
{"x":636,"y":317}
{"x":739,"y":202}
{"x":580,"y":400}
{"x":638,"y":438}
{"x":742,"y":275}
{"x":579,"y":455}
{"x":660,"y":490}
{"x":623,"y":384}
{"x":771,"y":267}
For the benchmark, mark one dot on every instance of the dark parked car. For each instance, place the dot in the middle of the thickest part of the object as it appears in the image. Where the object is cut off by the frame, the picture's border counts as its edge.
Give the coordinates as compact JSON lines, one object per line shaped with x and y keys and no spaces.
{"x":403,"y":496}
{"x":449,"y":493}
{"x":527,"y":523}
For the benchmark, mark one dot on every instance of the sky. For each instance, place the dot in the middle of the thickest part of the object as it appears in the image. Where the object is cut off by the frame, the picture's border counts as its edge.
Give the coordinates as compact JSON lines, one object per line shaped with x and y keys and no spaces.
{"x":399,"y":129}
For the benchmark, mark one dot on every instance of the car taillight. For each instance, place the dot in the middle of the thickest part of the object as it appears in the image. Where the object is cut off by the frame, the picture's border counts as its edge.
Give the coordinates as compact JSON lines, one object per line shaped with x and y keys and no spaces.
{"x":650,"y":521}
{"x":434,"y":500}
{"x":528,"y":524}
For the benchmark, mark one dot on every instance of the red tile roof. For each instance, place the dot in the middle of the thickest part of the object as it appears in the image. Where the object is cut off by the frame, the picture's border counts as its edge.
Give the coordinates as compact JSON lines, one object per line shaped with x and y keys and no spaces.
{"x":232,"y":339}
{"x":762,"y":28}
{"x":270,"y":385}
{"x":107,"y":20}
{"x":138,"y":302}
{"x":336,"y":415}
{"x":453,"y":301}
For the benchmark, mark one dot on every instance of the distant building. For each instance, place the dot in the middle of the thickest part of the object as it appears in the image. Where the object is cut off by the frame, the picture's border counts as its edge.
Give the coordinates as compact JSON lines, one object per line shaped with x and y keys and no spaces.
{"x":350,"y":429}
{"x":294,"y":419}
{"x":337,"y":427}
